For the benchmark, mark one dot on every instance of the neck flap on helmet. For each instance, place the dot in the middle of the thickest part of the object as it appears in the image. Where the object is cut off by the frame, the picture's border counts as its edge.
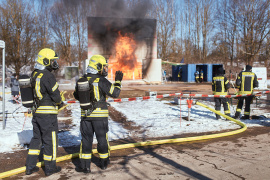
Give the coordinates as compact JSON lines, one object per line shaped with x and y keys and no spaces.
{"x":39,"y":66}
{"x":91,"y":70}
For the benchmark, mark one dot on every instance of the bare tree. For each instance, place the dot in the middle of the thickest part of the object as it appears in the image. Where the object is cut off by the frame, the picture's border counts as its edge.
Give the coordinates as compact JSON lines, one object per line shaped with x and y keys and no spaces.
{"x":254,"y":24}
{"x":189,"y":23}
{"x":224,"y":38}
{"x":207,"y":17}
{"x":18,"y":31}
{"x":79,"y":14}
{"x":165,"y":13}
{"x":62,"y":28}
{"x":42,"y":19}
{"x":198,"y":30}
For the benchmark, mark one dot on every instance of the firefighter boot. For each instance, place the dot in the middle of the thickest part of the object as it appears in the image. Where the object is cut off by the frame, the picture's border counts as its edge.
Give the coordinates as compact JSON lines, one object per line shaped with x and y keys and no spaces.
{"x":31,"y":170}
{"x":217,"y":116}
{"x":104,"y":163}
{"x":228,"y":114}
{"x":85,"y":170}
{"x":51,"y":168}
{"x":237,"y":115}
{"x":85,"y":166}
{"x":50,"y":171}
{"x":245,"y":117}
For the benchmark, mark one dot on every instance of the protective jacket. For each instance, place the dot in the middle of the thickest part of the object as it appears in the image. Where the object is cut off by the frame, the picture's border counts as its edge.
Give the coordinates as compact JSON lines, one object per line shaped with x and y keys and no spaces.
{"x":101,"y":87}
{"x":97,"y":121}
{"x":246,"y":82}
{"x":201,"y":74}
{"x":220,"y":85}
{"x":45,"y":126}
{"x":46,"y":92}
{"x":180,"y":73}
{"x":197,"y":74}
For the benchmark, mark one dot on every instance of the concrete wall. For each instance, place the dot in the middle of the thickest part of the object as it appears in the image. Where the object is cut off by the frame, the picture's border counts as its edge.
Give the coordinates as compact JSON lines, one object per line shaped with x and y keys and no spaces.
{"x":154,"y":74}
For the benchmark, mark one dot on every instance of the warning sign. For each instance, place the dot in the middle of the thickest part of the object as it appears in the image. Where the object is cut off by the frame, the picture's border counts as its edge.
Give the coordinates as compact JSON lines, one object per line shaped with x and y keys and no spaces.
{"x":261,"y":73}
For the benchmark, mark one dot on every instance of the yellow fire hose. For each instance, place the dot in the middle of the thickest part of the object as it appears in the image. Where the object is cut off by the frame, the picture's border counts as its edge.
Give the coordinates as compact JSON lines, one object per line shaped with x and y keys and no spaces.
{"x":146,"y":143}
{"x":5,"y":93}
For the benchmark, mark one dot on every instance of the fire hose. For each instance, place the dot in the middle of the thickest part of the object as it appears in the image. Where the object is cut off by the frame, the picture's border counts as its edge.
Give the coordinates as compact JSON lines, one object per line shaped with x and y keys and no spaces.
{"x":145,"y":143}
{"x":157,"y":142}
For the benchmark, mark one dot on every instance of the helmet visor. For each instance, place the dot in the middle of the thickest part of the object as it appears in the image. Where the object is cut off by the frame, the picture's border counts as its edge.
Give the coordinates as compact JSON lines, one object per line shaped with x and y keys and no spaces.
{"x":105,"y":70}
{"x":54,"y":64}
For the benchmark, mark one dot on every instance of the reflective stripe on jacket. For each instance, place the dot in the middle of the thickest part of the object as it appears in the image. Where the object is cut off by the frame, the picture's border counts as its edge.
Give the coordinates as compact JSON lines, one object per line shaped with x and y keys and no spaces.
{"x":196,"y":74}
{"x":101,"y":87}
{"x":220,"y":85}
{"x":46,"y":92}
{"x":246,"y":82}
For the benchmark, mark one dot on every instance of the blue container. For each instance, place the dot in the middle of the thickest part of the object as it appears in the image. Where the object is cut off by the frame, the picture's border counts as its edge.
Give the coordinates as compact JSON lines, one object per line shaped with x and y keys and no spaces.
{"x":175,"y":71}
{"x":188,"y":70}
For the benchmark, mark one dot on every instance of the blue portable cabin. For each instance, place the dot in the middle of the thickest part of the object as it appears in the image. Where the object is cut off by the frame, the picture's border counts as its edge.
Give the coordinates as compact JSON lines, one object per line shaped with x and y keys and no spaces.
{"x":188,"y":70}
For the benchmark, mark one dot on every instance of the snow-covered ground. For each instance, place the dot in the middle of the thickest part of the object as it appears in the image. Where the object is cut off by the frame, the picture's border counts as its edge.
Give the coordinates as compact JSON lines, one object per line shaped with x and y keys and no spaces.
{"x":157,"y":118}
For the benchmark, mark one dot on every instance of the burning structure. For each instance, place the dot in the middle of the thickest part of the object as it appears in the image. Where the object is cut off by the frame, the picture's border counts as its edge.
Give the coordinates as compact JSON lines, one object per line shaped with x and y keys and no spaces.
{"x":129,"y":44}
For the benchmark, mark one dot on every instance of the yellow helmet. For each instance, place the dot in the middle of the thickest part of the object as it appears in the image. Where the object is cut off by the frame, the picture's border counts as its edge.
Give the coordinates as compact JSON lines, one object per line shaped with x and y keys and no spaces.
{"x":47,"y":57}
{"x":98,"y":63}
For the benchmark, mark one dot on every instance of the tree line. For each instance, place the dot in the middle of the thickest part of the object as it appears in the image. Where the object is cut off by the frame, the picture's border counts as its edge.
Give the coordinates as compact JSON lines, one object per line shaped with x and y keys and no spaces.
{"x":200,"y":31}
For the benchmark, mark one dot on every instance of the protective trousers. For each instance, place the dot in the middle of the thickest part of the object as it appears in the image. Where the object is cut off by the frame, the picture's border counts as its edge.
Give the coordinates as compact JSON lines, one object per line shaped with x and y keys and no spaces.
{"x":45,"y":129}
{"x":240,"y":103}
{"x":226,"y":105}
{"x":88,"y":128}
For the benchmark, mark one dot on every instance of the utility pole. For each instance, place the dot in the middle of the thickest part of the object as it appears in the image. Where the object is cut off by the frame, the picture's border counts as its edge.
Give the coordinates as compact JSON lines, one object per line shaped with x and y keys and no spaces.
{"x":2,"y":45}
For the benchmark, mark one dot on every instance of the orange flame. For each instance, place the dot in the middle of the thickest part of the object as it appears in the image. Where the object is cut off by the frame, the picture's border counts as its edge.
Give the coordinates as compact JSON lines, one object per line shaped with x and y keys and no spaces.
{"x":124,"y":58}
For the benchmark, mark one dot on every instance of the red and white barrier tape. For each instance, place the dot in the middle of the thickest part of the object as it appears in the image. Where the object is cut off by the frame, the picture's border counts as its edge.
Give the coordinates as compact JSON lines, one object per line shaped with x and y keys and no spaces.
{"x":174,"y":94}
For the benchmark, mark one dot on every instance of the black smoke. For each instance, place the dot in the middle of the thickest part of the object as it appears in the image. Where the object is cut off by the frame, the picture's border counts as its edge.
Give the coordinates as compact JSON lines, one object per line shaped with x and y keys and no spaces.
{"x":122,"y":8}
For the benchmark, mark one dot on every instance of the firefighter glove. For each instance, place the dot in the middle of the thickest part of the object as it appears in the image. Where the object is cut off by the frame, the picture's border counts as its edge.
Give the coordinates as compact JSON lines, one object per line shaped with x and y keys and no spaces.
{"x":60,"y":105}
{"x":118,"y":76}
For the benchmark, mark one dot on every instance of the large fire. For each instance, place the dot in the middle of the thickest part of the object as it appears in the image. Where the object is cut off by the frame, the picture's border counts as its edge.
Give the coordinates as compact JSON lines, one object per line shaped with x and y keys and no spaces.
{"x":124,"y":58}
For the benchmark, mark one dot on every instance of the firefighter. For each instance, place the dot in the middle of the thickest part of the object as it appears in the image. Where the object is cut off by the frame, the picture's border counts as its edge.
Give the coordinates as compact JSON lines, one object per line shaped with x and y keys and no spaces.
{"x":97,"y":121}
{"x":201,"y":75}
{"x":47,"y":100}
{"x":246,"y":82}
{"x":220,"y":85}
{"x":180,"y":74}
{"x":14,"y":88}
{"x":197,"y":76}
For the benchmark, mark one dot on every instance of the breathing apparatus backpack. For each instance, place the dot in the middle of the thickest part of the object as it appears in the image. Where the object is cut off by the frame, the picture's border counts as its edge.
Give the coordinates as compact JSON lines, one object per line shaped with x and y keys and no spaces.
{"x":26,"y":90}
{"x":86,"y":95}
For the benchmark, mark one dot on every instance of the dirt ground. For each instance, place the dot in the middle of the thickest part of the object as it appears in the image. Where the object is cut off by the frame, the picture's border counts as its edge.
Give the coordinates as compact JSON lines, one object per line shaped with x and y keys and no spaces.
{"x":241,"y":156}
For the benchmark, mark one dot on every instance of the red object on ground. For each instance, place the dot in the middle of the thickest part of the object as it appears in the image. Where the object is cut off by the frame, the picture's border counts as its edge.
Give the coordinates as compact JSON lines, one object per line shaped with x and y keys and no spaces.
{"x":189,"y":101}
